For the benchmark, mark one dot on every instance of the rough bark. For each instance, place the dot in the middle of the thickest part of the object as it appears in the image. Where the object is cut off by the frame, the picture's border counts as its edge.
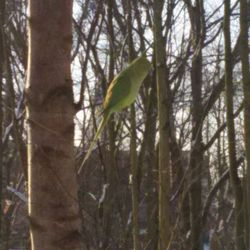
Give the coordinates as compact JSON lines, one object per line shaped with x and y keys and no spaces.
{"x":52,"y":188}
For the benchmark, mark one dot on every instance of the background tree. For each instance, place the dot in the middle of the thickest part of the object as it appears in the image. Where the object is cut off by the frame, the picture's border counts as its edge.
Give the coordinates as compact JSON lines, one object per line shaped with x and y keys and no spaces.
{"x":163,"y":118}
{"x":2,"y":11}
{"x":235,"y":180}
{"x":244,"y":52}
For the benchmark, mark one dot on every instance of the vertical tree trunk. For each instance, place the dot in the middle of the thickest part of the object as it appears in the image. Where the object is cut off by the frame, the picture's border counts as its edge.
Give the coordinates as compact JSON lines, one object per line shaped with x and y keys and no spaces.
{"x":244,"y":54}
{"x":110,"y":203}
{"x":133,"y":150}
{"x":196,"y":159}
{"x":134,"y":181}
{"x":164,"y":158}
{"x":111,"y":125}
{"x":53,"y":203}
{"x":2,"y":11}
{"x":196,"y":155}
{"x":235,"y":180}
{"x":147,"y":163}
{"x":151,"y":167}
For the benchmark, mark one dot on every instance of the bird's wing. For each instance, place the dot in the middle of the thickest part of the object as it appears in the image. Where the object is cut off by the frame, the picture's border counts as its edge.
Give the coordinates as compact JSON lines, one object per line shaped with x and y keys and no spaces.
{"x":117,"y":93}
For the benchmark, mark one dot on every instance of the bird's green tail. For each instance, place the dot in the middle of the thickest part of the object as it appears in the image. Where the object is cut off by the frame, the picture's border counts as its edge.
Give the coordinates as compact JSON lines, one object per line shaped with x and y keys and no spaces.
{"x":98,"y":132}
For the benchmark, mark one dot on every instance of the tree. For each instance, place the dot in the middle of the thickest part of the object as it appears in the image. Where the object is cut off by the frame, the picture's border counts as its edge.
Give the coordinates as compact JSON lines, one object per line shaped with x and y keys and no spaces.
{"x":196,"y":16}
{"x":244,"y":55}
{"x":53,"y":203}
{"x":235,"y":180}
{"x":164,"y":126}
{"x":2,"y":11}
{"x":133,"y":150}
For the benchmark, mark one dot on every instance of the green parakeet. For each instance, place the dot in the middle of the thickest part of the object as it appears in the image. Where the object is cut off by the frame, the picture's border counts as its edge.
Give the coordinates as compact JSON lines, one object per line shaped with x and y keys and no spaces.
{"x":121,"y":93}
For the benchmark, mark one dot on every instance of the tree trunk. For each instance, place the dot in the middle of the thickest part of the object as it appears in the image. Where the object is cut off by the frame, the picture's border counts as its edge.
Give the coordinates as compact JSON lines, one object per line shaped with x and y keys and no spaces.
{"x":134,"y":181}
{"x":244,"y":54}
{"x":235,"y":180}
{"x":164,"y":158}
{"x":2,"y":11}
{"x":52,"y":187}
{"x":133,"y":149}
{"x":150,"y":169}
{"x":110,"y":203}
{"x":196,"y":154}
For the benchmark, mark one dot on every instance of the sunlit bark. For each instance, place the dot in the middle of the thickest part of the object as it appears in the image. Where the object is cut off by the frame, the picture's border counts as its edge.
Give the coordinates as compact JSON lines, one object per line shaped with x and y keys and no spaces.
{"x":53,"y":203}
